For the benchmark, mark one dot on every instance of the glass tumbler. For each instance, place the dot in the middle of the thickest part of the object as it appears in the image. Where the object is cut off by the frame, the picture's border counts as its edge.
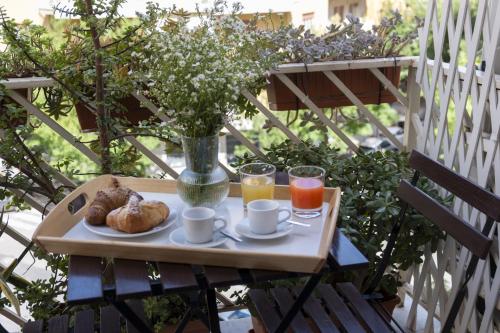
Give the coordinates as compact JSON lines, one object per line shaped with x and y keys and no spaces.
{"x":307,"y":185}
{"x":257,"y":181}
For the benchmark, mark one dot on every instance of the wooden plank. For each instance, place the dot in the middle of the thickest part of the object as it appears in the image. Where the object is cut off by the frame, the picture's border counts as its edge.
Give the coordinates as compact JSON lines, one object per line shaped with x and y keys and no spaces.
{"x":61,"y":131}
{"x":242,"y":139}
{"x":485,"y":201}
{"x":27,"y":82}
{"x":285,"y":302}
{"x":149,"y":154}
{"x":110,"y":320}
{"x":131,"y":279}
{"x":137,"y":306}
{"x":362,"y":308}
{"x":84,"y":322}
{"x":356,"y":101}
{"x":317,"y":111}
{"x":445,"y":219}
{"x":344,"y":64}
{"x":58,"y":324}
{"x":388,"y":85}
{"x":267,"y":313}
{"x":177,"y":277}
{"x":313,"y":308}
{"x":33,"y":327}
{"x":276,"y":122}
{"x":84,"y":280}
{"x":344,"y":255}
{"x":338,"y":308}
{"x":222,"y":276}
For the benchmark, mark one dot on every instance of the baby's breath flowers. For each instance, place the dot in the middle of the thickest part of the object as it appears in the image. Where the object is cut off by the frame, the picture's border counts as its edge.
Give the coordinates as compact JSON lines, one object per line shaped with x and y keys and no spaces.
{"x":197,"y":73}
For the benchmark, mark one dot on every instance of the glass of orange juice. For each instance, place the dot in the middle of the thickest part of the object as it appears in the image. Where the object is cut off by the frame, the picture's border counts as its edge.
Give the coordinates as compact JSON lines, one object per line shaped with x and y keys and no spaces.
{"x":307,"y":185}
{"x":257,"y":181}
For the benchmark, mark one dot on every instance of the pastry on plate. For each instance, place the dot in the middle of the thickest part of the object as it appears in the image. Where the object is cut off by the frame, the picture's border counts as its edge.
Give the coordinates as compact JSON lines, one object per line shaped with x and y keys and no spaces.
{"x":138,"y":215}
{"x":108,"y":199}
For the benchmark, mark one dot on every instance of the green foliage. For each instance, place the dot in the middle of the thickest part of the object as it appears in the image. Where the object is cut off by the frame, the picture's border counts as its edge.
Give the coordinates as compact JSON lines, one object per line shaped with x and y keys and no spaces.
{"x":368,"y":204}
{"x":164,"y":310}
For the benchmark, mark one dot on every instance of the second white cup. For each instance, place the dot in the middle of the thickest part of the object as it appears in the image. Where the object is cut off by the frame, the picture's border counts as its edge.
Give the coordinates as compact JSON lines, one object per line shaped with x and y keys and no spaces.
{"x":199,"y":224}
{"x":263,"y":216}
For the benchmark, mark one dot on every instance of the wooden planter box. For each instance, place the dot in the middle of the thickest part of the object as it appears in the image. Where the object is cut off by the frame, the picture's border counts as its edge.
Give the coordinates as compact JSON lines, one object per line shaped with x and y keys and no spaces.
{"x":134,"y":114}
{"x":325,"y":94}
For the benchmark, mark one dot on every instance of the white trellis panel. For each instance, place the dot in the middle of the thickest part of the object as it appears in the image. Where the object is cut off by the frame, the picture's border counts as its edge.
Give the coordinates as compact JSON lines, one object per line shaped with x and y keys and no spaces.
{"x":460,"y":128}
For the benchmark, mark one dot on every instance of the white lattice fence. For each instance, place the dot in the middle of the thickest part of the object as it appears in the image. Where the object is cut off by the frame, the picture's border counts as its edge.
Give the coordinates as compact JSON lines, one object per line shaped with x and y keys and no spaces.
{"x":460,"y":128}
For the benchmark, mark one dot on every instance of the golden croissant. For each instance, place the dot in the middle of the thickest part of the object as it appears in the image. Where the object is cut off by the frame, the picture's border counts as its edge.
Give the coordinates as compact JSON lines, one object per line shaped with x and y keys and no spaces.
{"x":137,"y":215}
{"x":108,"y":199}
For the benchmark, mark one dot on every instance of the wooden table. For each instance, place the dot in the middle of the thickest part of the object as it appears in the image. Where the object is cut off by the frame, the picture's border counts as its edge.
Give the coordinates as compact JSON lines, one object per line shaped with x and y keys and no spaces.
{"x":89,"y":280}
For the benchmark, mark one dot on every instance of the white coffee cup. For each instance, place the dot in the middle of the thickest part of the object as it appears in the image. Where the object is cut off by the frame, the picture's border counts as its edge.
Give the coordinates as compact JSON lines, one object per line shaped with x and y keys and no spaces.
{"x":263,"y":216}
{"x":199,"y":224}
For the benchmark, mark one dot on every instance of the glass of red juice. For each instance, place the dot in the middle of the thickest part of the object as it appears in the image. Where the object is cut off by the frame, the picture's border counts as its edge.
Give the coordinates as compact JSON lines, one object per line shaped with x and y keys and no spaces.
{"x":307,"y":185}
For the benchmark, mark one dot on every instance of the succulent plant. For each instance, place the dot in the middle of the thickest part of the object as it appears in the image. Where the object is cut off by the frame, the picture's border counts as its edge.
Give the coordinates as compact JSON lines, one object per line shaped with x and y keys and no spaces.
{"x":345,"y":41}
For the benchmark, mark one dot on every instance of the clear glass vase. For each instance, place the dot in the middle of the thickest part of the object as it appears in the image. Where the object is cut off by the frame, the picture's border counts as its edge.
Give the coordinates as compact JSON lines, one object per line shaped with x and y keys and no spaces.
{"x":203,"y":182}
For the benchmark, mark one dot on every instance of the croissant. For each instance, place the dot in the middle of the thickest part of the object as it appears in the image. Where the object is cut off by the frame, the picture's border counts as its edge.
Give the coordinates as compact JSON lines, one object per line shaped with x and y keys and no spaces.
{"x":138,"y":215}
{"x":108,"y":199}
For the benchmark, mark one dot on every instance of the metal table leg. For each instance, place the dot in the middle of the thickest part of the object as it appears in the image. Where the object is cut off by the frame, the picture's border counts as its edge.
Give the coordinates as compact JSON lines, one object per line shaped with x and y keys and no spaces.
{"x":213,"y":313}
{"x":131,"y":316}
{"x":312,"y":282}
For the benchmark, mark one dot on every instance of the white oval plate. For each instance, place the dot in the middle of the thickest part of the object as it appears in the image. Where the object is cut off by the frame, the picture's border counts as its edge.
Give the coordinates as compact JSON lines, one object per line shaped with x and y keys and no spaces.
{"x":243,"y":228}
{"x":177,"y":237}
{"x":104,"y":230}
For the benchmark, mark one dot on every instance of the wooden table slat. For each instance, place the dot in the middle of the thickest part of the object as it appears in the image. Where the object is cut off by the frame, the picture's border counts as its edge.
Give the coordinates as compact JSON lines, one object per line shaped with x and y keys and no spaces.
{"x":84,"y":280}
{"x":58,"y":324}
{"x":313,"y":308}
{"x":362,"y":308}
{"x":177,"y":277}
{"x":267,"y":312}
{"x":344,"y":255}
{"x":339,"y":309}
{"x":84,"y":322}
{"x":33,"y":327}
{"x":110,"y":320}
{"x":222,"y":276}
{"x":131,"y":279}
{"x":285,"y":302}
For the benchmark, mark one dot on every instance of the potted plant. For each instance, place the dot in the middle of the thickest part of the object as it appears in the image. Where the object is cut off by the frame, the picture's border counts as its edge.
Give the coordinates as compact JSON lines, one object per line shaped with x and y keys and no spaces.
{"x":348,"y":41}
{"x":197,"y":82}
{"x":117,"y":45}
{"x":368,"y":205}
{"x":13,"y":64}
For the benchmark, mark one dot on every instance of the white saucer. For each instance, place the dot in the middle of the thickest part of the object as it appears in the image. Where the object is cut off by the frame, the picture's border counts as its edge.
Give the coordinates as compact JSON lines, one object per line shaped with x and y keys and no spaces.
{"x":178,"y":238}
{"x":243,"y":228}
{"x":104,"y":230}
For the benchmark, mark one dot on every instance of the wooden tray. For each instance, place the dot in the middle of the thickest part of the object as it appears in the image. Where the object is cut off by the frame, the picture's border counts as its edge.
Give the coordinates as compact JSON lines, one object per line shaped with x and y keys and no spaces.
{"x":52,"y":233}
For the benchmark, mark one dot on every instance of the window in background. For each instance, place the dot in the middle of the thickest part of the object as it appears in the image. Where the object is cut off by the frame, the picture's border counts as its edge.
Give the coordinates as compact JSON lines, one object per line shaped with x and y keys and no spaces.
{"x":335,"y":12}
{"x":354,"y":9}
{"x":307,"y":20}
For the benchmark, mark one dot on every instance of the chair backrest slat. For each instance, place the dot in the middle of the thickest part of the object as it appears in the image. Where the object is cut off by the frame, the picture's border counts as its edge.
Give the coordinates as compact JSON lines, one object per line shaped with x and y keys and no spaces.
{"x":476,"y":196}
{"x":443,"y":217}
